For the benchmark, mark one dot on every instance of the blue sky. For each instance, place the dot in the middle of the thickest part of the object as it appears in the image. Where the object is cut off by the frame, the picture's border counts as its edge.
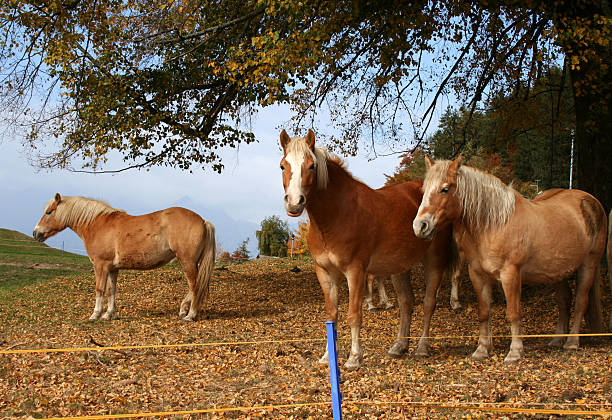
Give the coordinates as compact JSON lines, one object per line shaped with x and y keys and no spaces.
{"x":248,"y":190}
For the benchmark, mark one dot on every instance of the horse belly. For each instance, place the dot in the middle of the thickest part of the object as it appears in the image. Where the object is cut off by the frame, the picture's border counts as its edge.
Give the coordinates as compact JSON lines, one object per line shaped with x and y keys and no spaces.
{"x":143,"y":256}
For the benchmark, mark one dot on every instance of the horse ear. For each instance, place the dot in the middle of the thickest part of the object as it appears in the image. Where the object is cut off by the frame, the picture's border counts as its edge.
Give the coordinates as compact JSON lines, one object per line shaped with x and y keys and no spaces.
{"x":284,"y":140}
{"x":58,"y":198}
{"x":455,"y":165}
{"x":310,"y":139}
{"x":428,"y":162}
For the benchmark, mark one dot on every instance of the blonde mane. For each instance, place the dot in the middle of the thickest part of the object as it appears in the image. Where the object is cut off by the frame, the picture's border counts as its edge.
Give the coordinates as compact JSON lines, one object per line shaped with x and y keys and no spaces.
{"x":320,"y":156}
{"x":485,"y":200}
{"x":73,"y":211}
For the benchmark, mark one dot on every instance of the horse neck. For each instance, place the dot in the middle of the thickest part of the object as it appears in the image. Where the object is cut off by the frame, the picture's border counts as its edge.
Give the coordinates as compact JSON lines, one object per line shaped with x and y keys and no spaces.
{"x":326,"y":206}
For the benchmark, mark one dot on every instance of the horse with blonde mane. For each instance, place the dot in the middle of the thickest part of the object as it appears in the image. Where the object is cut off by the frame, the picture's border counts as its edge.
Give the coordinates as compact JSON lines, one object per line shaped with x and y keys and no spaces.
{"x":507,"y":238}
{"x":355,"y":230}
{"x":115,"y":240}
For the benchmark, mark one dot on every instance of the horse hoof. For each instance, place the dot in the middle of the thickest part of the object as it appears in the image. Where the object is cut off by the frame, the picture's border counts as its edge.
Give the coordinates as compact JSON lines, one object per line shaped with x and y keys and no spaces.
{"x":512,"y":358}
{"x":389,"y":306}
{"x":397,"y":351}
{"x":479,"y":355}
{"x":94,"y":317}
{"x":421,"y":353}
{"x":107,"y":316}
{"x":324,"y":360}
{"x":555,"y":342}
{"x":353,"y":362}
{"x":188,"y":319}
{"x":570,"y":346}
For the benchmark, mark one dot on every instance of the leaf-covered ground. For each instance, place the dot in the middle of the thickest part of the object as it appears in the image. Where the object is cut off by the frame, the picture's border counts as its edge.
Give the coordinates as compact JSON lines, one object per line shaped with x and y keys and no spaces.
{"x":263,"y":300}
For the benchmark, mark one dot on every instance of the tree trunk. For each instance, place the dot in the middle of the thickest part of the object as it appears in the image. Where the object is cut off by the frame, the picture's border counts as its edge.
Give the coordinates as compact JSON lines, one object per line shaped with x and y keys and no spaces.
{"x":592,"y":90}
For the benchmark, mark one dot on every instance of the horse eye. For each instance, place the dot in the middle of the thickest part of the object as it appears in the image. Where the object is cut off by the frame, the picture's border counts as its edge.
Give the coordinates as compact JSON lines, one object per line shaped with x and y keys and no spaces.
{"x":444,"y":190}
{"x":282,"y":167}
{"x":49,"y":212}
{"x":312,"y":167}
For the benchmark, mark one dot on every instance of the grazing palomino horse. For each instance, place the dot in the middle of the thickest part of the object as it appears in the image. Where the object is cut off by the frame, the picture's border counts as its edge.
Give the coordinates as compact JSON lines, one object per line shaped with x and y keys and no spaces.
{"x":507,"y":238}
{"x":115,"y":240}
{"x":356,"y":230}
{"x":383,"y":300}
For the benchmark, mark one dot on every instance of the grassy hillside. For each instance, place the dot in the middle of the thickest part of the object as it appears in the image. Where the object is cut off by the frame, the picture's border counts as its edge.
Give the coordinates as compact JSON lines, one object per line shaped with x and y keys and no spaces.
{"x":24,"y":261}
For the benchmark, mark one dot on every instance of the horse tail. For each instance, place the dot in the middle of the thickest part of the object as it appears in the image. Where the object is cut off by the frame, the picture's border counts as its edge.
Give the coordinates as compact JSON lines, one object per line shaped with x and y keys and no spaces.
{"x":206,"y":265}
{"x":594,"y":312}
{"x":609,"y":261}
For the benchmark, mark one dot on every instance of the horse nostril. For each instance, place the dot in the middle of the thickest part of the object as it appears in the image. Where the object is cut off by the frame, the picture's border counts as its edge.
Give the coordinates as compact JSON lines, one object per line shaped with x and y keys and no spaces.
{"x":34,"y":234}
{"x":302,"y":199}
{"x":424,"y":227}
{"x":286,"y":197}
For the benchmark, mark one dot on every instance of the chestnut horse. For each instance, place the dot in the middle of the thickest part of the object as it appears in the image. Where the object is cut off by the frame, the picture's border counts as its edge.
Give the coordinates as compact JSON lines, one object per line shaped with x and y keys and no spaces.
{"x":115,"y":240}
{"x":355,"y":230}
{"x":507,"y":238}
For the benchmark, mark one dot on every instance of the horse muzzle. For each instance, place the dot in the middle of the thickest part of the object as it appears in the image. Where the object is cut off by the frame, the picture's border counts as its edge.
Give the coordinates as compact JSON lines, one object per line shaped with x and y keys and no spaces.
{"x":295,"y":210}
{"x":424,"y":227}
{"x":38,"y":235}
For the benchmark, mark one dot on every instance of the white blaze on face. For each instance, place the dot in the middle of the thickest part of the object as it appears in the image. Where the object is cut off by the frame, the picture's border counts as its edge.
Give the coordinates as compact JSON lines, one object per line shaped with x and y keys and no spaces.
{"x":294,"y":190}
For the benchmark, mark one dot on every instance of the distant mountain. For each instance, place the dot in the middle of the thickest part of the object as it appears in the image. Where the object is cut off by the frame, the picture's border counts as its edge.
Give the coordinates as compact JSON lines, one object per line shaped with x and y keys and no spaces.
{"x":229,"y":232}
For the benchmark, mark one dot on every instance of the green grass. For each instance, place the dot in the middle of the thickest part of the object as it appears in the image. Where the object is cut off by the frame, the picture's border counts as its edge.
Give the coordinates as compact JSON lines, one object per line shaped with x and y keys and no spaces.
{"x":24,"y":261}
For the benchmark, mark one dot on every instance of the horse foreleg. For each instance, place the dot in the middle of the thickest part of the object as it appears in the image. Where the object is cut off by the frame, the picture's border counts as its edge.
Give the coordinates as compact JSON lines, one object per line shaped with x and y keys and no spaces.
{"x":111,"y":294}
{"x":584,"y":282}
{"x":384,"y":300}
{"x":355,"y":278}
{"x":433,"y":277}
{"x":482,"y":287}
{"x":563,"y":297}
{"x":511,"y":282}
{"x":329,"y":286}
{"x":405,"y":300}
{"x":101,"y":274}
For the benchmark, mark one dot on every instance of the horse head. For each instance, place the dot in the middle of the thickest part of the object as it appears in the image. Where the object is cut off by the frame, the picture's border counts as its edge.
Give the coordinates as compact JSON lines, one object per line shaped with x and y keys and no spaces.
{"x":439,"y":205}
{"x":299,"y":166}
{"x":49,"y":225}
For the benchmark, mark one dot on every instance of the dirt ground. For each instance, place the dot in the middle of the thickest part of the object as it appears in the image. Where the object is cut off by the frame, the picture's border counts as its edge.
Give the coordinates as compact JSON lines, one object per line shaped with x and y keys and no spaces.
{"x":259,"y":343}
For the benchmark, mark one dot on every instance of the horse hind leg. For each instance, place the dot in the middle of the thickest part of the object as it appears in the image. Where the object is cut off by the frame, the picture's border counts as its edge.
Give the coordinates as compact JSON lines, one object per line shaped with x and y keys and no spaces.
{"x":482,"y":287}
{"x":101,"y":274}
{"x":185,"y":304}
{"x":405,"y":300}
{"x":190,"y":301}
{"x":584,"y":282}
{"x":384,"y":300}
{"x":111,"y":294}
{"x":563,"y":298}
{"x":369,"y":301}
{"x":455,"y":303}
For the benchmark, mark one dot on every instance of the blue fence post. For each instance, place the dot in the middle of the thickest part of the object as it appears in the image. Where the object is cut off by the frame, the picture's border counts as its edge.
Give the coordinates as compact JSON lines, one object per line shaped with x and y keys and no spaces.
{"x":334,"y":373}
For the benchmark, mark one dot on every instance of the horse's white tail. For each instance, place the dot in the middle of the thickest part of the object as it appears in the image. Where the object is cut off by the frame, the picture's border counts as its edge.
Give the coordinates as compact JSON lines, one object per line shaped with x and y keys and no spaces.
{"x":206,"y":265}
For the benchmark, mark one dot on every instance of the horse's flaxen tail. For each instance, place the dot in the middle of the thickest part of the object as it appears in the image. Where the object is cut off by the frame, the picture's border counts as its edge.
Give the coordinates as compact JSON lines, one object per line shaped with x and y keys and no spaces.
{"x":206,"y":264}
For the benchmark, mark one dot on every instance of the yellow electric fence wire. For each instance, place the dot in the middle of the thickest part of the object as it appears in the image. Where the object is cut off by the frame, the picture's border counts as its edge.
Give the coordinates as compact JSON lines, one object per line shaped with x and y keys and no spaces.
{"x":185,"y":412}
{"x":436,"y":406}
{"x":293,"y":340}
{"x":481,"y":408}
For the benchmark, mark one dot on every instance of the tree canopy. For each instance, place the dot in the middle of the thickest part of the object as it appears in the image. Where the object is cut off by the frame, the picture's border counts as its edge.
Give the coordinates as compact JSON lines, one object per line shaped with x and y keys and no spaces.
{"x":273,"y":236}
{"x":169,"y":83}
